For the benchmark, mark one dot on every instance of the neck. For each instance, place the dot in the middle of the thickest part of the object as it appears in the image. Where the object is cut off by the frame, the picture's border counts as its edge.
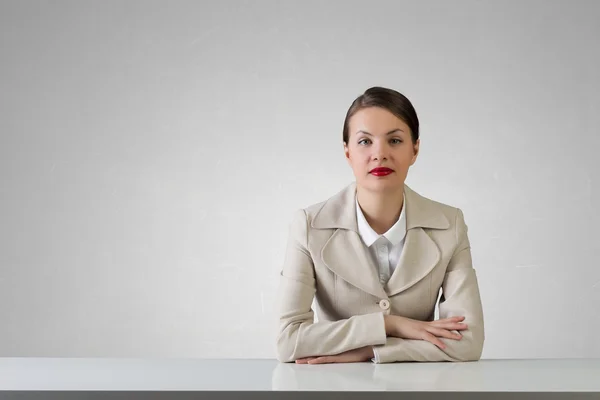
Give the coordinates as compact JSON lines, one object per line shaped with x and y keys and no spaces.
{"x":381,"y":209}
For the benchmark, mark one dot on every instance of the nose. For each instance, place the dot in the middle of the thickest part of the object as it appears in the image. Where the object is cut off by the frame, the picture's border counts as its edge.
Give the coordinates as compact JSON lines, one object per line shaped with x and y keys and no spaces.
{"x":380,"y":151}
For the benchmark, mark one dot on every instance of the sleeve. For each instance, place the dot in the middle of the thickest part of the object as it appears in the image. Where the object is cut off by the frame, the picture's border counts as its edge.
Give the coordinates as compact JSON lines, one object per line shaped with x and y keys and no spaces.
{"x":298,"y":335}
{"x":460,"y":296}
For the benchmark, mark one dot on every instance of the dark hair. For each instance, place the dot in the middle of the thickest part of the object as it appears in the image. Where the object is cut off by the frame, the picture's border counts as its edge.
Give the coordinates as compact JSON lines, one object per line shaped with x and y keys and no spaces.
{"x":391,"y":100}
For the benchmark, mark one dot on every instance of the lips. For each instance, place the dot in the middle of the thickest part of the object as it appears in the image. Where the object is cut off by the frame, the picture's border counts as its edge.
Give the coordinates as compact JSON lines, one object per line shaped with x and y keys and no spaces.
{"x":381,"y":171}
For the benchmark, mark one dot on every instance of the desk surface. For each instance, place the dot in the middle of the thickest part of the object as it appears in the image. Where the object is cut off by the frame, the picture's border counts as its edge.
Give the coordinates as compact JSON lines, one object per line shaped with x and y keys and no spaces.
{"x":24,"y":374}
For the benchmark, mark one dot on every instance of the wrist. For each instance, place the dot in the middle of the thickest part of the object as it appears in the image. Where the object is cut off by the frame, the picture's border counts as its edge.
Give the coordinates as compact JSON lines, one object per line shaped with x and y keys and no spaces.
{"x":369,"y":352}
{"x":388,"y":321}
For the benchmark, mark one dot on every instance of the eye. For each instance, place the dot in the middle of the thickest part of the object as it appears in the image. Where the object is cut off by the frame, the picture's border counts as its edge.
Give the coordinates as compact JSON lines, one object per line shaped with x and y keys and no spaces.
{"x":363,"y":140}
{"x":397,"y":141}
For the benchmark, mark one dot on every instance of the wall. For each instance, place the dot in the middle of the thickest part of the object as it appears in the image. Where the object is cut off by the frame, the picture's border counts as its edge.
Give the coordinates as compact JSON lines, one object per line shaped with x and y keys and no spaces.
{"x":152,"y":154}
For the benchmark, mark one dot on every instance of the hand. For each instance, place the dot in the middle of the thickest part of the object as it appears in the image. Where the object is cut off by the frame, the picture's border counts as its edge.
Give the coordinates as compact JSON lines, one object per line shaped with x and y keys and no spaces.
{"x":357,"y":355}
{"x":430,"y":331}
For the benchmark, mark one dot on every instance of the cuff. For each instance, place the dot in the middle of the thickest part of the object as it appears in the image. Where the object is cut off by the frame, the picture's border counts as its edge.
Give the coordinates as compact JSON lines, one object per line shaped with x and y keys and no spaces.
{"x":376,"y":359}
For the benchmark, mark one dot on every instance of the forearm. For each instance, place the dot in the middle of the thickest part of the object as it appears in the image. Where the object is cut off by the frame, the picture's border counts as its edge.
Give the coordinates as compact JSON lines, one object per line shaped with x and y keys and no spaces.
{"x":468,"y":348}
{"x":300,"y":337}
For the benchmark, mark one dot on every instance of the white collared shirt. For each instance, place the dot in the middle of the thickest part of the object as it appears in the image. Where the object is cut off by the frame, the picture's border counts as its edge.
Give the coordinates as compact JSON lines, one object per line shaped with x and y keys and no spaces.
{"x":385,"y":249}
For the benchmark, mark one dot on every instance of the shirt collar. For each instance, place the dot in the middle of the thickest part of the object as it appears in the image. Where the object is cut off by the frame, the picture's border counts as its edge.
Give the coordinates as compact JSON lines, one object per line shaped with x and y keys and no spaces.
{"x":395,"y":234}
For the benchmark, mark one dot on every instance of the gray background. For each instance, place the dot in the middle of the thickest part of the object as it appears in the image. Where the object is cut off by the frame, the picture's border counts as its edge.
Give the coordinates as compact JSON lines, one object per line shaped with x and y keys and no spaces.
{"x":152,"y":154}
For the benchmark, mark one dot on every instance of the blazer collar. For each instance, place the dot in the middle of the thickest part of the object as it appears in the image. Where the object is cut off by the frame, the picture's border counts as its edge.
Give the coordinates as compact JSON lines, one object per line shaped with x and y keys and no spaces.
{"x":339,"y":211}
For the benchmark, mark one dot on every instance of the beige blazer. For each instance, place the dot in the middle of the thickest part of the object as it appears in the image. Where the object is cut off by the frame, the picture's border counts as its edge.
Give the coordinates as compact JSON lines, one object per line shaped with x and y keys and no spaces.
{"x":327,"y":261}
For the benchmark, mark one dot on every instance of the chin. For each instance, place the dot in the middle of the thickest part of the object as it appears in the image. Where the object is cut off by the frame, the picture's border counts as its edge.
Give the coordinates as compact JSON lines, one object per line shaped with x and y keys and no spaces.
{"x":383,"y":185}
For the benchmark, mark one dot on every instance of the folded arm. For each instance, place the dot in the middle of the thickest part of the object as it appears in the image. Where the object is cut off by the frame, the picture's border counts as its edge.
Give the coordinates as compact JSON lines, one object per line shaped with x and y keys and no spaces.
{"x":460,"y":297}
{"x":298,"y":335}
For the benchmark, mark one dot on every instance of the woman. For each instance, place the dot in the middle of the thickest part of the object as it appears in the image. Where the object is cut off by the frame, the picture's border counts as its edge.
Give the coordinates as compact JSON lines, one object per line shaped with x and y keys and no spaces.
{"x":375,"y":255}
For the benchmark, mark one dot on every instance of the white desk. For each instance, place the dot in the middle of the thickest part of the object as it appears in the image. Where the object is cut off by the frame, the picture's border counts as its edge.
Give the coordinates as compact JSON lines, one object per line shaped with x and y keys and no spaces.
{"x":245,"y":376}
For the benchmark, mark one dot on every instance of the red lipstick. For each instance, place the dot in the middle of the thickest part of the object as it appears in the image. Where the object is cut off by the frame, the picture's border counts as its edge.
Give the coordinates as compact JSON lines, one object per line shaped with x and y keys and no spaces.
{"x":381,"y":171}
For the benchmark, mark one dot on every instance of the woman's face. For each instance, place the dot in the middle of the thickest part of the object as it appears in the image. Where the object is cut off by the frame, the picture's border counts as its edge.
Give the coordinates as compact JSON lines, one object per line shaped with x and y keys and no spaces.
{"x":379,"y":139}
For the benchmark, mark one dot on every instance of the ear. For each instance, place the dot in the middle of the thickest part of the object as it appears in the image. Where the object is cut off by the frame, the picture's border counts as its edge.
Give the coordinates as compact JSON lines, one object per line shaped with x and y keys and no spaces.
{"x":416,"y":151}
{"x":347,"y":152}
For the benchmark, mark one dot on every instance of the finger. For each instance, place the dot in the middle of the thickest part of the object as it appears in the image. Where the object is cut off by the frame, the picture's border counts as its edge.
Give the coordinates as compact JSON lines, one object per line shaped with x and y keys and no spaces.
{"x":432,"y":339}
{"x":458,"y":318}
{"x":439,"y":332}
{"x":449,"y":321}
{"x":444,"y":322}
{"x":453,"y":326}
{"x":304,"y":360}
{"x":322,"y":360}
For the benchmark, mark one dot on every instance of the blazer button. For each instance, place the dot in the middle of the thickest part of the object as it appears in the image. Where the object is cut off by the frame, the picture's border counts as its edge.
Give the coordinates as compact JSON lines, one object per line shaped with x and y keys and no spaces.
{"x":384,"y":304}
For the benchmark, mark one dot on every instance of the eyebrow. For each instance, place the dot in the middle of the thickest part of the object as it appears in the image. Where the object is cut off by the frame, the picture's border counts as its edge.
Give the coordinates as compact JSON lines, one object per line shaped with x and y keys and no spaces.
{"x":389,"y":133}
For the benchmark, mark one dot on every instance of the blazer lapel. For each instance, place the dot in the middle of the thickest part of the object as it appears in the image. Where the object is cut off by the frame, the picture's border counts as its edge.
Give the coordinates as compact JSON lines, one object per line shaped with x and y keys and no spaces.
{"x":344,"y":253}
{"x":420,"y":253}
{"x":419,"y":256}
